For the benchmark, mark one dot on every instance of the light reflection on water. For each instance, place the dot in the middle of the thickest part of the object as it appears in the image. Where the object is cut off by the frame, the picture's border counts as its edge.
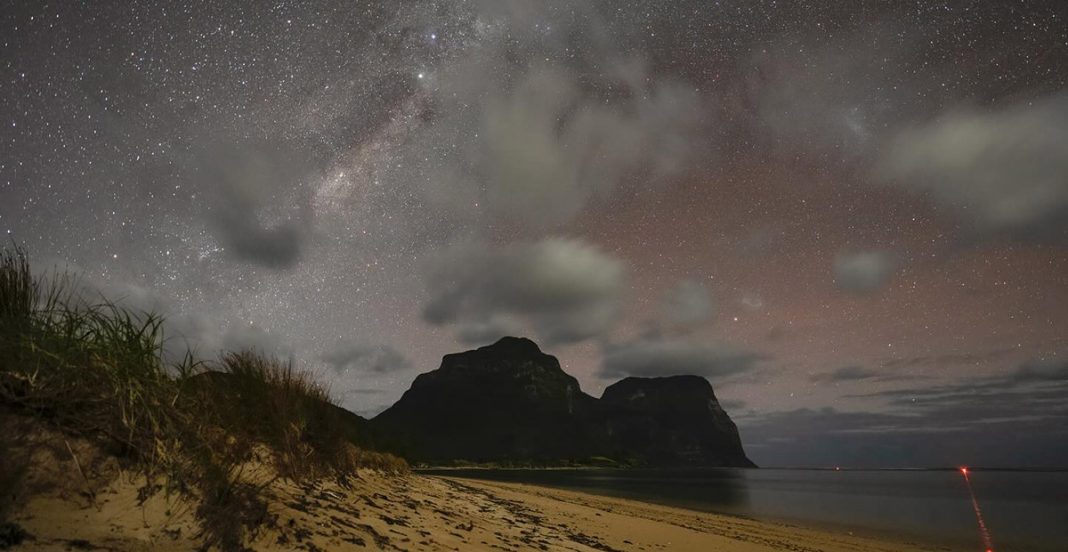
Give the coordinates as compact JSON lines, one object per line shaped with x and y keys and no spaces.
{"x":1022,"y":510}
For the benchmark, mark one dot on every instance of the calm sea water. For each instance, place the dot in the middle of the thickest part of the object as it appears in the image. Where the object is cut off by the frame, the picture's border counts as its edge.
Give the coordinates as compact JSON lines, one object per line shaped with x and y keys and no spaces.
{"x":1022,"y":510}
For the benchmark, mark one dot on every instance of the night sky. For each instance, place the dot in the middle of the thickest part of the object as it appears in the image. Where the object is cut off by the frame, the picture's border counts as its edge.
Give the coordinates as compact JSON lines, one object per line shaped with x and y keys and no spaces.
{"x":852,"y":217}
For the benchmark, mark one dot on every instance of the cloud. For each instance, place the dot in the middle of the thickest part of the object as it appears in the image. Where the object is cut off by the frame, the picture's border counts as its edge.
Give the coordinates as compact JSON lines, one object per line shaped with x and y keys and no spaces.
{"x":247,"y":337}
{"x":1041,"y":379}
{"x":377,"y":359}
{"x":566,"y":290}
{"x":1015,"y":419}
{"x":854,"y":373}
{"x":830,"y":437}
{"x":847,"y":373}
{"x":651,"y":357}
{"x":688,"y":304}
{"x":732,"y":404}
{"x":551,"y":147}
{"x":564,"y":119}
{"x":946,"y":360}
{"x":183,"y":331}
{"x":1044,"y":370}
{"x":1004,"y":171}
{"x":484,"y":332}
{"x":250,"y":188}
{"x":833,"y":95}
{"x":864,"y":272}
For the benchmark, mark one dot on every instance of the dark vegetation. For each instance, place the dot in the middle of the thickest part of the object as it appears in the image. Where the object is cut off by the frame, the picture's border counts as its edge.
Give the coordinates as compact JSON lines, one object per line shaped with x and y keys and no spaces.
{"x":96,"y":371}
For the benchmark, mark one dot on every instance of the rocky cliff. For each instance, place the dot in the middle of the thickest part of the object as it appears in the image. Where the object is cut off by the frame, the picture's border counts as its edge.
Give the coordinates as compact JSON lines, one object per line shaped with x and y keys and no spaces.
{"x":674,"y":420}
{"x":510,"y":402}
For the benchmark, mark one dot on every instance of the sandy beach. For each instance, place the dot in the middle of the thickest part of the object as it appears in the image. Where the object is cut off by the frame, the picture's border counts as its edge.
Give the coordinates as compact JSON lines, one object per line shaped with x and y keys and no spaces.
{"x":376,"y":512}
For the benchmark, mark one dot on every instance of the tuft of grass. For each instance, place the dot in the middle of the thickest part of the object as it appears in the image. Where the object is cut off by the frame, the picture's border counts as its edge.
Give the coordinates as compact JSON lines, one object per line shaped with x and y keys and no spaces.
{"x":19,"y":291}
{"x":265,"y":400}
{"x":96,"y":370}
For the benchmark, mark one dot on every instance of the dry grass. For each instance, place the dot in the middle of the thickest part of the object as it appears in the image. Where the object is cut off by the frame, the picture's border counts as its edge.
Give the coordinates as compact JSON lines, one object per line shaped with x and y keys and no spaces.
{"x":96,"y":370}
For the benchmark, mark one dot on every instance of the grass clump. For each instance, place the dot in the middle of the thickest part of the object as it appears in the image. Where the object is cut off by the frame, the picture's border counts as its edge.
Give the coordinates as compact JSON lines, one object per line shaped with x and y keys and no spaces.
{"x":96,"y":371}
{"x":90,"y":369}
{"x":273,"y":403}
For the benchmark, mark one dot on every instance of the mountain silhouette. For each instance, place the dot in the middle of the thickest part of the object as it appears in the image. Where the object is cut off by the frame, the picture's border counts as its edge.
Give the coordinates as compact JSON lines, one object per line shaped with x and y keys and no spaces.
{"x":511,"y":403}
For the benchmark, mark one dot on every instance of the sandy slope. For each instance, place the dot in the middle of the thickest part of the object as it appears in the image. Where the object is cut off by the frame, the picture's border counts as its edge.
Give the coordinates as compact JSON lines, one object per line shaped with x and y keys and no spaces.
{"x":374,"y":512}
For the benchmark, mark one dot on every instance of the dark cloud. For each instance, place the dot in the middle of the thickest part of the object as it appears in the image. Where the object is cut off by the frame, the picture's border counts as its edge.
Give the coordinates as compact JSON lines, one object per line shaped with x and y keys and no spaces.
{"x":565,"y":290}
{"x":1046,"y":370}
{"x":864,"y":272}
{"x":251,"y":214}
{"x":830,"y":437}
{"x":857,"y":373}
{"x":1017,"y":419}
{"x":274,"y":247}
{"x":847,"y":373}
{"x":1020,"y":419}
{"x":687,"y":305}
{"x":944,"y":361}
{"x":366,"y":359}
{"x":1002,"y":170}
{"x":1039,"y":380}
{"x":653,"y":357}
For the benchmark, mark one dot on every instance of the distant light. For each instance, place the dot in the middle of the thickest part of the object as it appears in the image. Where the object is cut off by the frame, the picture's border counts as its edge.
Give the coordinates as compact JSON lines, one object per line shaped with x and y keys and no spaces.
{"x":964,"y":470}
{"x":420,"y":75}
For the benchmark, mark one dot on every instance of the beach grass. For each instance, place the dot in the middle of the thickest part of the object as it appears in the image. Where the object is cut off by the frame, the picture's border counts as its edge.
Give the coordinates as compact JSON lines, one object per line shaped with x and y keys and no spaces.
{"x":91,"y":369}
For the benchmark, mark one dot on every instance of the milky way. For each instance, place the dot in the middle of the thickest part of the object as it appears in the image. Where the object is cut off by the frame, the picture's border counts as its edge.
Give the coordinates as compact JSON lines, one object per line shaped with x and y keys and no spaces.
{"x":849,"y":216}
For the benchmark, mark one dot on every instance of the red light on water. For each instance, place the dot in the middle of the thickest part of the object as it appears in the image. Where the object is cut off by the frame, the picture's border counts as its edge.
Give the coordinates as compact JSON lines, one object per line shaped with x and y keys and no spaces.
{"x":984,"y":533}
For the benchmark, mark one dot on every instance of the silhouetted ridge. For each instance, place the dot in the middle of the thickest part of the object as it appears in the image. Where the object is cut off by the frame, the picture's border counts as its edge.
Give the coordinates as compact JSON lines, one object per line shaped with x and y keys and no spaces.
{"x":513,"y":345}
{"x":509,"y":402}
{"x":675,"y":420}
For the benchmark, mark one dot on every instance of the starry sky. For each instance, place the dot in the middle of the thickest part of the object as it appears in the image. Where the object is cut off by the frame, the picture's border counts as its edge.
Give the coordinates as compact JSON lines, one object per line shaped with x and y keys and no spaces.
{"x":851,"y":217}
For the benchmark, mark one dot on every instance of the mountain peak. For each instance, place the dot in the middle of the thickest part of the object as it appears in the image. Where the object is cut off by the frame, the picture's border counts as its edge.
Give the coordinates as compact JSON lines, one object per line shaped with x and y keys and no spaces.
{"x":516,"y":345}
{"x":681,"y":386}
{"x":510,"y":401}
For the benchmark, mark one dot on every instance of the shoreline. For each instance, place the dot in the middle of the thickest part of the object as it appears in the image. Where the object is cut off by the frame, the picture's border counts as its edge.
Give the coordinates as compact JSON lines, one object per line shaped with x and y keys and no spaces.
{"x":429,"y":470}
{"x":557,"y":492}
{"x":373,"y":511}
{"x":629,"y":524}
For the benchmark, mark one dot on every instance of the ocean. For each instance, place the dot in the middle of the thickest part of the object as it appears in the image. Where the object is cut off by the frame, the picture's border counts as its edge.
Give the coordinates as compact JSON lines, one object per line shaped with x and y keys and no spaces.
{"x":1021,"y":510}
